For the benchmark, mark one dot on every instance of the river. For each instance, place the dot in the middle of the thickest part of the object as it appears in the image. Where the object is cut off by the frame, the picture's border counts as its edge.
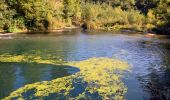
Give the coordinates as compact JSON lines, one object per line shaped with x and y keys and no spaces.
{"x":149,"y":59}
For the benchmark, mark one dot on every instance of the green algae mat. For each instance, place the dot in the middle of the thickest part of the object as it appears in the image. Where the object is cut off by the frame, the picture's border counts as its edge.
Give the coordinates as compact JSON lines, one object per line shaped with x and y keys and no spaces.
{"x":98,"y":78}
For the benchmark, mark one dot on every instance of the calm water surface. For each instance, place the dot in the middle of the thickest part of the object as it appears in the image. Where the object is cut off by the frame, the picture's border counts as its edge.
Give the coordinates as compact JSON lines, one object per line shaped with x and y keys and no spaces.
{"x":149,"y":59}
{"x":16,"y":75}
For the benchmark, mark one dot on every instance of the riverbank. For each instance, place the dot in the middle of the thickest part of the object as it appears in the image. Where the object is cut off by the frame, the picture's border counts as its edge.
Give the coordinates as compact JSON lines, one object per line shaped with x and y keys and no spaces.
{"x":95,"y":31}
{"x":66,"y":29}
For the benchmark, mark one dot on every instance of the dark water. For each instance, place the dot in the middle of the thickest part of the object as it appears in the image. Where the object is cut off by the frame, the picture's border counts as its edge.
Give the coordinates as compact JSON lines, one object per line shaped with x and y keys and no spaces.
{"x":148,"y":57}
{"x":16,"y":75}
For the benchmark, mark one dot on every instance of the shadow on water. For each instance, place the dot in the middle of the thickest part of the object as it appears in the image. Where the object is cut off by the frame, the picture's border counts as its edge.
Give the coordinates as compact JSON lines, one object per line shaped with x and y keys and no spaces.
{"x":16,"y":75}
{"x":157,"y":81}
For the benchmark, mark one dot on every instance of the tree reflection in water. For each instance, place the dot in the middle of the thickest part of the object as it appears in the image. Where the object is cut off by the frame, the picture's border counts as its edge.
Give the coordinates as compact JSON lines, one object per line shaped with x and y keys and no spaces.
{"x":157,"y":81}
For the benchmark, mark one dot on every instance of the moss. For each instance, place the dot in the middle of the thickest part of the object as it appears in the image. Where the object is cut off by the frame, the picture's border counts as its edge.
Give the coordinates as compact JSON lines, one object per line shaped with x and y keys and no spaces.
{"x":102,"y":77}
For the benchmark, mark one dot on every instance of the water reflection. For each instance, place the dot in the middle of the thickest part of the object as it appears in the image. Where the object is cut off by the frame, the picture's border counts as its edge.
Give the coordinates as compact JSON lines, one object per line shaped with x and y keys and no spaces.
{"x":157,"y":80}
{"x":16,"y":75}
{"x":149,"y":57}
{"x":94,"y":80}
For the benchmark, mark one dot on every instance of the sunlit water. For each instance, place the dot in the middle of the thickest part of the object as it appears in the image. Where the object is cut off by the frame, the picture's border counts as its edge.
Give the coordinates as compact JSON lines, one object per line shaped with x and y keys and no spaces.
{"x":149,"y":59}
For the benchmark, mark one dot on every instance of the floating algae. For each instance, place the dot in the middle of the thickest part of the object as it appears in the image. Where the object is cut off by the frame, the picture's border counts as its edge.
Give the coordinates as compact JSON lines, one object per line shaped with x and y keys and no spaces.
{"x":99,"y":78}
{"x":28,"y":59}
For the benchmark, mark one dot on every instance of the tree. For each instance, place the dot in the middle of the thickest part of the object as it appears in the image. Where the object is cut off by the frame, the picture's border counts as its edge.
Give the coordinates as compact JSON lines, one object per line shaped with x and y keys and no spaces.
{"x":162,"y":12}
{"x":72,"y":9}
{"x":33,"y":12}
{"x":6,"y":15}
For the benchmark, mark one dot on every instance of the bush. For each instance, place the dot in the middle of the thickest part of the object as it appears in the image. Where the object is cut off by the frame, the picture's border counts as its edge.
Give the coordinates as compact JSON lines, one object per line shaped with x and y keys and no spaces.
{"x":150,"y":20}
{"x":105,"y":17}
{"x":6,"y":15}
{"x":72,"y":10}
{"x":93,"y":14}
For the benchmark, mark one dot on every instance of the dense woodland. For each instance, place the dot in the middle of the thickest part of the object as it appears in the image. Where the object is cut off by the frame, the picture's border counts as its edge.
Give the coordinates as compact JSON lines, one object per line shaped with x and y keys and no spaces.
{"x":33,"y":15}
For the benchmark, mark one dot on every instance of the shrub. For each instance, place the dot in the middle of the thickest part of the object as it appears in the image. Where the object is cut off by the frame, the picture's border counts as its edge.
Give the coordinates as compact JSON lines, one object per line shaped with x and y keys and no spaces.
{"x":72,"y":9}
{"x":103,"y":16}
{"x":150,"y":20}
{"x":93,"y":14}
{"x":6,"y":15}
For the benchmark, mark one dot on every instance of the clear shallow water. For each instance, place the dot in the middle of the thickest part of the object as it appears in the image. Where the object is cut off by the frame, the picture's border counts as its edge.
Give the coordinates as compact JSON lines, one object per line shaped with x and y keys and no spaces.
{"x":149,"y":57}
{"x":16,"y":75}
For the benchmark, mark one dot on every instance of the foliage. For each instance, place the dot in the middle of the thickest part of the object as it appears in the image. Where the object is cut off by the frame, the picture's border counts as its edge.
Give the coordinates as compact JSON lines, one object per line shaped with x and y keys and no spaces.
{"x":162,"y":12}
{"x":103,"y":16}
{"x":151,"y":19}
{"x":6,"y":15}
{"x":72,"y":11}
{"x":124,"y":4}
{"x":141,"y":15}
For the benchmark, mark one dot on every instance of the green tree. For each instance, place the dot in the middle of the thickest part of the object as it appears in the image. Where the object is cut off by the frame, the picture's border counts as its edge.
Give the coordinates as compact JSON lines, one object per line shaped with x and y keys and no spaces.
{"x":72,"y":9}
{"x":33,"y":11}
{"x":162,"y":12}
{"x":151,"y":19}
{"x":6,"y":16}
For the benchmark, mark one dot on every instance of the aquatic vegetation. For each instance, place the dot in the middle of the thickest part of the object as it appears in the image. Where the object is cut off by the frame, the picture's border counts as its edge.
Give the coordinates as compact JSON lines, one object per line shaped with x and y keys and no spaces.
{"x":103,"y":76}
{"x":98,"y":78}
{"x":27,"y":58}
